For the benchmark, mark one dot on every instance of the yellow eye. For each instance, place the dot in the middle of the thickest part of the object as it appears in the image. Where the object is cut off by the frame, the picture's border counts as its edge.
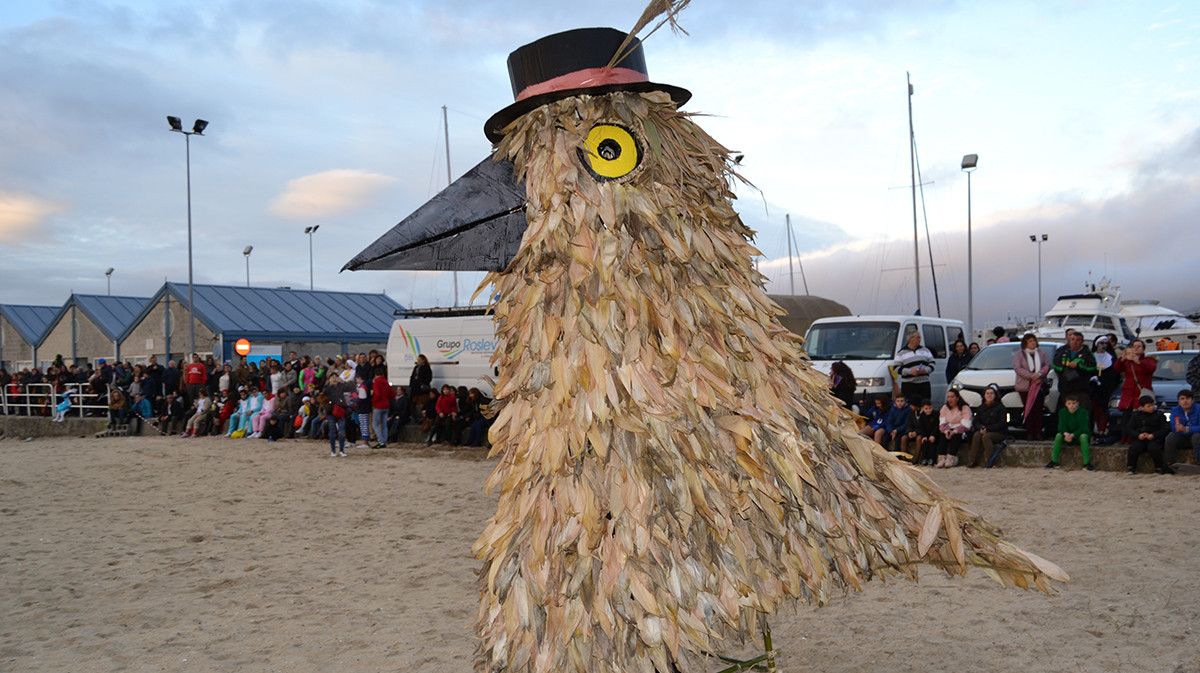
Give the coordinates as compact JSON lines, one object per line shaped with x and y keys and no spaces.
{"x":610,"y":152}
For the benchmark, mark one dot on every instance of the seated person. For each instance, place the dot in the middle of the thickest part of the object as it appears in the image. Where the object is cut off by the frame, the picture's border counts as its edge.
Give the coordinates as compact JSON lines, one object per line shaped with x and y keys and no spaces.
{"x":139,"y":413}
{"x":1074,"y":427}
{"x":923,"y":434}
{"x":875,"y":415}
{"x":954,"y":422}
{"x":399,"y":415}
{"x":895,"y":426}
{"x":1146,"y":428}
{"x":990,"y":430}
{"x":1184,"y":429}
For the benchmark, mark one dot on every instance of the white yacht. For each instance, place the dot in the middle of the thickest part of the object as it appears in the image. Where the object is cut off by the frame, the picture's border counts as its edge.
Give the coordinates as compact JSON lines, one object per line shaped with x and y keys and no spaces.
{"x":1093,"y":313}
{"x":1152,"y":321}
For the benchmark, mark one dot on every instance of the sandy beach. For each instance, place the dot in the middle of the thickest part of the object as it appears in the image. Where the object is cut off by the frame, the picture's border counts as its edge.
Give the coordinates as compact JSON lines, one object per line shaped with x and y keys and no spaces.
{"x":162,"y":554}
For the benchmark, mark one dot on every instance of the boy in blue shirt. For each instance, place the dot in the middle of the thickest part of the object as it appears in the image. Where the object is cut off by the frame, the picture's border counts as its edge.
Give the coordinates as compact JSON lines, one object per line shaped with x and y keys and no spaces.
{"x":1185,"y":429}
{"x":895,"y":425}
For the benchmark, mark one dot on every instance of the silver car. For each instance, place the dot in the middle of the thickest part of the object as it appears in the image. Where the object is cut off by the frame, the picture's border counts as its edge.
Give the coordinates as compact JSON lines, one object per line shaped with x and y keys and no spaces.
{"x":993,"y":366}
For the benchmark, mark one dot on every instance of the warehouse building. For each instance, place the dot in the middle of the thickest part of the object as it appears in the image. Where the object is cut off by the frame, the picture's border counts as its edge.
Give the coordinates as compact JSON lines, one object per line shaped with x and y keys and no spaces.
{"x":273,"y":320}
{"x":21,"y":329}
{"x":88,"y":328}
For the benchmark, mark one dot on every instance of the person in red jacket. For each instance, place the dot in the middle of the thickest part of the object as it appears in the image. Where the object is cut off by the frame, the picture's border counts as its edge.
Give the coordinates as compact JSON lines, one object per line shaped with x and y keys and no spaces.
{"x":381,"y":401}
{"x":1137,"y":378}
{"x":195,"y":375}
{"x":447,"y":416}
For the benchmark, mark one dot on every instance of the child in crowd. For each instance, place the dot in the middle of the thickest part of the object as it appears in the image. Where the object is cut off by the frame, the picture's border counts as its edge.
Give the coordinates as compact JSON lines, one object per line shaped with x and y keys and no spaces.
{"x":266,"y":411}
{"x":954,"y":422}
{"x":895,"y":425}
{"x":335,"y":426}
{"x":1074,"y":427}
{"x":362,"y":409}
{"x":923,"y":434}
{"x":63,"y":406}
{"x":240,"y":415}
{"x":876,"y":414}
{"x":1147,"y":428}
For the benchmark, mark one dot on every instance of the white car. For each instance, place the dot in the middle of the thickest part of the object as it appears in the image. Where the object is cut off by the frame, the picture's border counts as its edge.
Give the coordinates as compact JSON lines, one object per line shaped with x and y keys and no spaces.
{"x":993,"y":365}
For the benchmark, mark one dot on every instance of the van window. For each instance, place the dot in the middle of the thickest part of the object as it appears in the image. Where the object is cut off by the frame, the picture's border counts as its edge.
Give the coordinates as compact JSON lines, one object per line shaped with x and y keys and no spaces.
{"x":954,"y":334}
{"x":852,"y":340}
{"x":935,"y":340}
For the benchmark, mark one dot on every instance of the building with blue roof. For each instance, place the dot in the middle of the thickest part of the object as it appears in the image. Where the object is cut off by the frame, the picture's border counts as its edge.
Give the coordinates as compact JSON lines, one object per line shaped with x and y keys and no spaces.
{"x":21,"y":329}
{"x":274,"y":320}
{"x":89,"y":327}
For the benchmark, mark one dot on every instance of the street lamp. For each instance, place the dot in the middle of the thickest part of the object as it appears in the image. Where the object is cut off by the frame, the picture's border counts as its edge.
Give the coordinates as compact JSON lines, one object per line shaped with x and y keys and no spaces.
{"x":108,"y":278}
{"x":249,"y":249}
{"x":968,"y":167}
{"x":197,"y":130}
{"x":1033,"y":238}
{"x":310,"y":231}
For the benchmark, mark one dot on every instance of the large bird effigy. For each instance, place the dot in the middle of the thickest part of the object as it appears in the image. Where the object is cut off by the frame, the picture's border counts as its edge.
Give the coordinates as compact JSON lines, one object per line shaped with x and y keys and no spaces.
{"x":671,"y":469}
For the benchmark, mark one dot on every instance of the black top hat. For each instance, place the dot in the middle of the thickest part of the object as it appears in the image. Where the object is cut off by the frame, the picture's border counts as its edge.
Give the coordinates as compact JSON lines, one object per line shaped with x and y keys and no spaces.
{"x":570,"y":63}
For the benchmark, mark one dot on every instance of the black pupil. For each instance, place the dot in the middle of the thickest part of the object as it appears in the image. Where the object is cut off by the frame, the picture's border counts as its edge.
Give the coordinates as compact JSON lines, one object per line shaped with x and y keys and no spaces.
{"x":609,"y":149}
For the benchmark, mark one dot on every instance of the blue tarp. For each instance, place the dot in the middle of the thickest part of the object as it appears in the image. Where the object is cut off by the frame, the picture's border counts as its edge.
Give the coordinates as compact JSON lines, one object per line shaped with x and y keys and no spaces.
{"x":31,"y":322}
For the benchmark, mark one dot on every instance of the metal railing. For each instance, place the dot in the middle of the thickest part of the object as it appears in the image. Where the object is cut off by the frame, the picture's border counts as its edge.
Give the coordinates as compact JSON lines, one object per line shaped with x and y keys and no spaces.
{"x":39,"y":399}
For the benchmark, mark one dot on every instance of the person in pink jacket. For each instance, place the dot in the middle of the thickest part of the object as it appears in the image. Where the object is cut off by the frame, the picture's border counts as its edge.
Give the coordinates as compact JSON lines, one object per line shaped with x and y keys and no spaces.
{"x":1031,"y":366}
{"x":259,"y":420}
{"x":954,"y":421}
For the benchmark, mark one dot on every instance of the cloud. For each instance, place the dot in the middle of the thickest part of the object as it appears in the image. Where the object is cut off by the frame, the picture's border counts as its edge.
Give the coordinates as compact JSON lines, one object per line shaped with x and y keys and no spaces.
{"x":1144,"y":238}
{"x":20,"y":215}
{"x":328,"y":193}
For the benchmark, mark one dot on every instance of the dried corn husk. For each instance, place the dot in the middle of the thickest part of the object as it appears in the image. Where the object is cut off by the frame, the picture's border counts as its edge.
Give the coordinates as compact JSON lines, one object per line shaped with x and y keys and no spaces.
{"x":671,"y":467}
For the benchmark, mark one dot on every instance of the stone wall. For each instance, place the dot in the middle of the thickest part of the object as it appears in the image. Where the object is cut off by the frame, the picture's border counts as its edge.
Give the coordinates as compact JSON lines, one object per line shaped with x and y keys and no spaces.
{"x":19,"y":427}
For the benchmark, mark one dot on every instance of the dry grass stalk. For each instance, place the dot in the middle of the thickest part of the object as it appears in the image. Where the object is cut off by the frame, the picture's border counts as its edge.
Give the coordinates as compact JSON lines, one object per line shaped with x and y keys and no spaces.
{"x":671,"y":468}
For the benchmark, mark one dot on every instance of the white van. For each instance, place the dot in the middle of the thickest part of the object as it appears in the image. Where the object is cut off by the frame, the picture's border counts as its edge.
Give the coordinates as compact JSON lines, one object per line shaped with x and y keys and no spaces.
{"x":459,"y":350}
{"x":868,"y":345}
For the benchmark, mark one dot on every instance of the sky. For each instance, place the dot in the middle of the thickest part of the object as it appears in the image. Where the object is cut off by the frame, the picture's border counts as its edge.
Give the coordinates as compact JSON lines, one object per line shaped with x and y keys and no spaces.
{"x":1085,"y":117}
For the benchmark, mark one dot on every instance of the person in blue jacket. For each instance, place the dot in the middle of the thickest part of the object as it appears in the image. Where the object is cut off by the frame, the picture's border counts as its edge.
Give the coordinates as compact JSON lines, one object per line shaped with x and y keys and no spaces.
{"x":895,"y":425}
{"x":139,"y":413}
{"x":876,"y":414}
{"x":1185,"y":429}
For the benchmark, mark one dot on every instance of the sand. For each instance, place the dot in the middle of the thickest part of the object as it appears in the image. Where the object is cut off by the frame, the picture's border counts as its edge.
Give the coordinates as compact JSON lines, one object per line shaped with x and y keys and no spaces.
{"x":157,"y":554}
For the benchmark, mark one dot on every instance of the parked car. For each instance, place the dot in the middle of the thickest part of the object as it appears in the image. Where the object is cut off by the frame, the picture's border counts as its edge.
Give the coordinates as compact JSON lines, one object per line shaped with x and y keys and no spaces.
{"x":868,"y":345}
{"x":993,"y":366}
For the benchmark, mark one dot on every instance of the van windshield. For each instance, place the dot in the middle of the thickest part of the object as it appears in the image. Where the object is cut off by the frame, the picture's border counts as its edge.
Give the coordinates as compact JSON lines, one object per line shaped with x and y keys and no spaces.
{"x":852,"y":341}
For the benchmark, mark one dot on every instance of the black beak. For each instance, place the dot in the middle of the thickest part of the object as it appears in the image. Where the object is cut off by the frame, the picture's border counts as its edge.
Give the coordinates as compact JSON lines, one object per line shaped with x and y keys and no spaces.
{"x":475,"y":224}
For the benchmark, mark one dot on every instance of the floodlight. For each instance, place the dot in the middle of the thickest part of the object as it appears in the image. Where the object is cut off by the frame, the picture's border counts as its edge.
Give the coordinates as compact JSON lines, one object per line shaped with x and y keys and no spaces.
{"x":199,"y":126}
{"x":248,"y":250}
{"x":109,"y":271}
{"x":176,"y":125}
{"x":969,"y":161}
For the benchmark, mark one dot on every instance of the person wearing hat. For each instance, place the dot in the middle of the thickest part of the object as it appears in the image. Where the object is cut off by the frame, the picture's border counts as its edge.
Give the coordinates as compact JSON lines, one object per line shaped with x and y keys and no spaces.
{"x":1146,"y":430}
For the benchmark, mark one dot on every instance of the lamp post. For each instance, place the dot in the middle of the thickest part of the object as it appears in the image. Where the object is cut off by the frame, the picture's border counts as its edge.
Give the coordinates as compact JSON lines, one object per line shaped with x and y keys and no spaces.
{"x":310,"y":231}
{"x":968,"y":167}
{"x":108,"y":278}
{"x":197,"y":130}
{"x":1033,"y":238}
{"x":249,"y":249}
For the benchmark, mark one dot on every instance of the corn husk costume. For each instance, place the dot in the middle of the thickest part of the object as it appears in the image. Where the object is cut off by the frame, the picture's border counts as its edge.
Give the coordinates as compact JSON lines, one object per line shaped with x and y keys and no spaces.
{"x":671,"y":469}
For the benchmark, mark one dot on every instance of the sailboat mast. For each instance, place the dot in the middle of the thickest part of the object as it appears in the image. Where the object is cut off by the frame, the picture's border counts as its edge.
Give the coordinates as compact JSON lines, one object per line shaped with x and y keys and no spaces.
{"x":449,"y":179}
{"x":796,"y":246}
{"x":912,"y":162}
{"x":791,"y":274}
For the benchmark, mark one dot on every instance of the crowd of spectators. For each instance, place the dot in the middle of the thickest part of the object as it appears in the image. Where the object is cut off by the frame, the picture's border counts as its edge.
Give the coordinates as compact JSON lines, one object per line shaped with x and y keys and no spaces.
{"x":1089,"y":379}
{"x":344,"y":399}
